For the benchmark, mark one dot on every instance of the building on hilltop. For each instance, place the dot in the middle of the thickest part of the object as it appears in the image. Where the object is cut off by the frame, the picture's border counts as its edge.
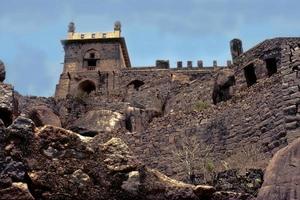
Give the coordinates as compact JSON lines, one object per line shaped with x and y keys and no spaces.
{"x":89,"y":54}
{"x":99,"y":62}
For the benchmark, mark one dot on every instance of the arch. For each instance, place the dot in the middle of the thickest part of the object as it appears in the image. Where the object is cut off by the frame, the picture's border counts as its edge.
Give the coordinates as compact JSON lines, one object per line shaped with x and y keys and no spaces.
{"x":136,"y":84}
{"x":91,"y":54}
{"x":86,"y":86}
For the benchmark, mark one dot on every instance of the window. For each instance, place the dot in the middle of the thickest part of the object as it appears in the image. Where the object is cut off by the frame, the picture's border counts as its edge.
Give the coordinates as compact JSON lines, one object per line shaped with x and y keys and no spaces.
{"x":93,"y":35}
{"x":249,"y":72}
{"x":92,"y":63}
{"x":82,"y":36}
{"x":271,"y":65}
{"x":92,"y":55}
{"x":104,"y":35}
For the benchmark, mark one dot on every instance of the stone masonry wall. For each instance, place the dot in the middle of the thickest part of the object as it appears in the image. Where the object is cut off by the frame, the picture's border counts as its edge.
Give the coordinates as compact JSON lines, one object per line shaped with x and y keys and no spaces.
{"x":265,"y":115}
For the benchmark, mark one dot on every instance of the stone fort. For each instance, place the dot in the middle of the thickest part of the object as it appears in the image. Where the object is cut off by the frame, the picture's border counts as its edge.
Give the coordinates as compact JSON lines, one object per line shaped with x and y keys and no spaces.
{"x":253,"y":100}
{"x":100,"y":63}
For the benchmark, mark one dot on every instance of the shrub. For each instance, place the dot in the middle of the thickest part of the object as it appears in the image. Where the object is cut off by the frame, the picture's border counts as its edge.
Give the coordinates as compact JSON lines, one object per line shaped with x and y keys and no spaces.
{"x":201,"y":105}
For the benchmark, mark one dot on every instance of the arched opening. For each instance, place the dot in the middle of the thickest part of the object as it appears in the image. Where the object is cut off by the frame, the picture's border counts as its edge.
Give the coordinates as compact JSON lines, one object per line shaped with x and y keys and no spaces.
{"x":86,"y":87}
{"x":6,"y":116}
{"x":136,"y":84}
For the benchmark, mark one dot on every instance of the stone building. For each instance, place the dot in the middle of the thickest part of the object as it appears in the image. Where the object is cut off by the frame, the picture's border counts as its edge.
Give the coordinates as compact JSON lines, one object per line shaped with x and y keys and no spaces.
{"x":90,"y":60}
{"x":99,"y":63}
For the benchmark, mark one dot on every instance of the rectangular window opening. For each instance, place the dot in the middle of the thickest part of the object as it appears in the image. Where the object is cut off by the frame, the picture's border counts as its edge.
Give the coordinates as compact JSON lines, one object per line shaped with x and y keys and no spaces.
{"x":249,"y":72}
{"x":92,"y":63}
{"x":271,"y":65}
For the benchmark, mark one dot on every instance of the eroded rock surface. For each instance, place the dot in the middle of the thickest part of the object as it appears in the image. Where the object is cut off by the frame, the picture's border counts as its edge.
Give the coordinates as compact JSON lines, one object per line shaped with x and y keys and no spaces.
{"x":282,"y":176}
{"x":8,"y":106}
{"x":2,"y":71}
{"x":54,"y":163}
{"x":43,"y":115}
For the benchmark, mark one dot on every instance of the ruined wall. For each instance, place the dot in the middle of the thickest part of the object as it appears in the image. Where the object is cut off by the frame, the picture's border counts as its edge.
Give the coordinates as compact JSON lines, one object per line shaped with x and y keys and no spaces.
{"x":265,"y":115}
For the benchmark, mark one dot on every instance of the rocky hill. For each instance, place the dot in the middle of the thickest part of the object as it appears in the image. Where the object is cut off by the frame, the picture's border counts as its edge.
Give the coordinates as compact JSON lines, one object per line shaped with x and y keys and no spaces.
{"x":213,"y":134}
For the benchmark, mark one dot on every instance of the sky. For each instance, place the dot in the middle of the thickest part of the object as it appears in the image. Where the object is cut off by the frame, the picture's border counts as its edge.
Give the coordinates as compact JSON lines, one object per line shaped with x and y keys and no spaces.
{"x":175,"y":30}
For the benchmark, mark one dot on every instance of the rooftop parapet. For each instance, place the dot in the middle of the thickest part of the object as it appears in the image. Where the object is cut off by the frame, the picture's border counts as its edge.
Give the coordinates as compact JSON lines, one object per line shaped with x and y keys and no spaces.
{"x":72,"y":35}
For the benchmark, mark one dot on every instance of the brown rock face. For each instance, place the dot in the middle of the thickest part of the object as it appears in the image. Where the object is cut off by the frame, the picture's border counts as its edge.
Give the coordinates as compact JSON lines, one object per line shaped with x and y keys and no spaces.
{"x":54,"y":163}
{"x":282,"y":177}
{"x":8,"y":106}
{"x":2,"y":71}
{"x":42,"y":115}
{"x":222,"y":86}
{"x":18,"y":191}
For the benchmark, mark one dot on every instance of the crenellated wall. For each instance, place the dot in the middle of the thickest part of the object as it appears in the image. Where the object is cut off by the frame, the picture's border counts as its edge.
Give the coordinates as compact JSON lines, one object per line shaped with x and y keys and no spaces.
{"x":265,"y":115}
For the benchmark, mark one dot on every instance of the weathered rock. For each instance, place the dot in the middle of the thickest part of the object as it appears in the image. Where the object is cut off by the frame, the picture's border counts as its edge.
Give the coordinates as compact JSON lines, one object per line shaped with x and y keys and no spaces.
{"x":118,"y":156}
{"x":98,"y":121}
{"x":2,"y":71}
{"x":43,"y":115}
{"x":247,"y":184}
{"x":7,"y":103}
{"x":282,"y":176}
{"x":13,"y":170}
{"x":137,"y":119}
{"x":19,"y":137}
{"x":18,"y":191}
{"x":23,"y":128}
{"x":222,"y":86}
{"x":226,"y":195}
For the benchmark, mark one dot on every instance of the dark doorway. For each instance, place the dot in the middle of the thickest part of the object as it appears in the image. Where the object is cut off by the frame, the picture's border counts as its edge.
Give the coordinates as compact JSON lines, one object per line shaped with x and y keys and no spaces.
{"x":87,"y":86}
{"x":136,"y":84}
{"x":250,"y":75}
{"x":271,"y":64}
{"x":6,"y":116}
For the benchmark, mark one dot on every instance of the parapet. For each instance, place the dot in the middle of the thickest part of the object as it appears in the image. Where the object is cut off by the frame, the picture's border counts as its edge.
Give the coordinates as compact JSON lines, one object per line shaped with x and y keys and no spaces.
{"x":72,"y":35}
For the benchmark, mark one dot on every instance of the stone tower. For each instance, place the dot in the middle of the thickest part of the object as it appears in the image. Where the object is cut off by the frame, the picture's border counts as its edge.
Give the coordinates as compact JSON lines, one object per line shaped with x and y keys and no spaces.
{"x":236,"y":48}
{"x":90,"y":59}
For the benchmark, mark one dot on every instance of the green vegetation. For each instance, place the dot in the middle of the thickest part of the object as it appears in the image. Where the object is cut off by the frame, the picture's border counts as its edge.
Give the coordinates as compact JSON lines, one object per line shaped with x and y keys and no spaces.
{"x":201,"y":105}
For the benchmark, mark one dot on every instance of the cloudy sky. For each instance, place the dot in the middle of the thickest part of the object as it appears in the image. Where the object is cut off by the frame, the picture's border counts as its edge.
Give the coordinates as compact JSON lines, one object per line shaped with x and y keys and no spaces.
{"x":31,"y":30}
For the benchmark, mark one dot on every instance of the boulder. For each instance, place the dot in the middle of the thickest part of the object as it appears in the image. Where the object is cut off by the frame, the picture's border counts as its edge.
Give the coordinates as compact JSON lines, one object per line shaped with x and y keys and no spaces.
{"x":7,"y":103}
{"x":18,"y":191}
{"x":118,"y":156}
{"x":98,"y":121}
{"x":2,"y":71}
{"x":137,"y":119}
{"x":43,"y":115}
{"x":222,"y":91}
{"x":282,"y":176}
{"x":19,"y":138}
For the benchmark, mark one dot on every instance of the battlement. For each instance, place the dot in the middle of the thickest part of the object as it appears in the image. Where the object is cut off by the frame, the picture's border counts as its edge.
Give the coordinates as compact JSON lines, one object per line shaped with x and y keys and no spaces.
{"x":72,"y":35}
{"x":93,"y":35}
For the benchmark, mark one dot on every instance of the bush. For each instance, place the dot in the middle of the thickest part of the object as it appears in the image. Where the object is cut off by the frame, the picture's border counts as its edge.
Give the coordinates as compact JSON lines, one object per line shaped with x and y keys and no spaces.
{"x":201,"y":105}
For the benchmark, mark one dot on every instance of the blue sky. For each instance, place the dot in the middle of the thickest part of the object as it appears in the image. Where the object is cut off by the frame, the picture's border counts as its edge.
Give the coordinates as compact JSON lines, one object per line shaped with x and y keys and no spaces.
{"x":31,"y":30}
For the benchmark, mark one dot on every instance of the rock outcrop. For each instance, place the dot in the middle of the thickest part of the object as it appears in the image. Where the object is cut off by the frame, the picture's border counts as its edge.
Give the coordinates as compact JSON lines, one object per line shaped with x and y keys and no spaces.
{"x":8,"y":104}
{"x":43,"y":115}
{"x":282,"y":176}
{"x":54,"y":163}
{"x":222,"y":90}
{"x":2,"y":71}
